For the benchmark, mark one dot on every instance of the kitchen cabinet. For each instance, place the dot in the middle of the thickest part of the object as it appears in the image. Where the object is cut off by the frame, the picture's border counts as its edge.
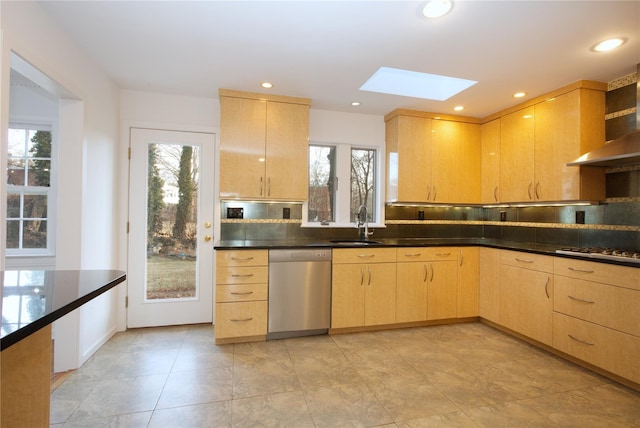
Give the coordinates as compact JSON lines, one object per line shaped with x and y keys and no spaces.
{"x":490,"y":162}
{"x":427,"y":283}
{"x":526,"y":301}
{"x":456,"y":155}
{"x":363,"y":287}
{"x":264,"y":142}
{"x":517,"y":156}
{"x":489,"y":292}
{"x":432,"y":160}
{"x":537,"y":141}
{"x":595,"y":312}
{"x":468,"y":278}
{"x":241,"y":295}
{"x":408,"y":156}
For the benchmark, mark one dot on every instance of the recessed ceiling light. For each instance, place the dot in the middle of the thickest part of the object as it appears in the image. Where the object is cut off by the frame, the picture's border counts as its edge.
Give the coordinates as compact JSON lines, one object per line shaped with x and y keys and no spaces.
{"x":458,"y":108}
{"x":437,"y":8}
{"x":609,"y":44}
{"x":355,"y":103}
{"x":415,"y":84}
{"x":519,"y":94}
{"x":267,"y":85}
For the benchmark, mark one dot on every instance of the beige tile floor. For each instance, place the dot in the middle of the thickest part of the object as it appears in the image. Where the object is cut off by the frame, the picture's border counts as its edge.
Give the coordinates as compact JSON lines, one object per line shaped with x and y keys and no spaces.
{"x":464,"y":375}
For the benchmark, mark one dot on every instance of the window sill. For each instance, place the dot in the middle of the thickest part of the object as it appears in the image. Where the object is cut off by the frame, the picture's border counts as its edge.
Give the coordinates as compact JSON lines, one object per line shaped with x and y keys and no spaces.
{"x":316,"y":225}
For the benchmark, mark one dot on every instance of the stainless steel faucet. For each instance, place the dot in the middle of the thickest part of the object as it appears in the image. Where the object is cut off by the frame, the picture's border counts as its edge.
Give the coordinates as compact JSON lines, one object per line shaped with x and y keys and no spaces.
{"x":363,"y":223}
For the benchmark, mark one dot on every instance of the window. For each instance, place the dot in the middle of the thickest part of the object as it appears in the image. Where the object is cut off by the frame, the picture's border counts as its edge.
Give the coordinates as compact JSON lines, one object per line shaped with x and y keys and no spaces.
{"x":28,"y":190}
{"x":332,"y":200}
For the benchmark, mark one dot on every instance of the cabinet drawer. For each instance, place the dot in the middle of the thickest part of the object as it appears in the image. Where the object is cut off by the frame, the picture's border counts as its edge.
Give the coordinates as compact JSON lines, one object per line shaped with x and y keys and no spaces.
{"x":611,"y":350}
{"x":242,"y":258}
{"x":623,"y":276}
{"x":242,"y":275}
{"x":527,"y":260}
{"x":420,"y":254}
{"x":364,"y":255}
{"x":610,"y":306}
{"x":241,"y":319}
{"x":241,"y":292}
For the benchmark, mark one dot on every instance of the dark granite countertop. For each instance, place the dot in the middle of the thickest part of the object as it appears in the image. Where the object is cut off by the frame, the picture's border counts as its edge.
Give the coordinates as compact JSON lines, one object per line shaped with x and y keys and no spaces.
{"x":545,"y":249}
{"x":33,"y":298}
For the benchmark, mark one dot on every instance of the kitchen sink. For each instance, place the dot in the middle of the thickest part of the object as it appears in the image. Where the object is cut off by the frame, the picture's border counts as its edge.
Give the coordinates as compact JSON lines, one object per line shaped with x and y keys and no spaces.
{"x":355,"y":242}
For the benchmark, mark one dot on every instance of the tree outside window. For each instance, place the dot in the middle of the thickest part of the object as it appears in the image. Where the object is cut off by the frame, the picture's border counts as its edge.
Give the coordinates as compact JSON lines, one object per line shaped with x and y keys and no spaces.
{"x":28,"y":189}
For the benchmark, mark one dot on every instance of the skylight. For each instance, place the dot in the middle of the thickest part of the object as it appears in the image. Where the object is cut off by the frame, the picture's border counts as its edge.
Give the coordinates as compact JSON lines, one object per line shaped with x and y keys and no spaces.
{"x":415,"y":84}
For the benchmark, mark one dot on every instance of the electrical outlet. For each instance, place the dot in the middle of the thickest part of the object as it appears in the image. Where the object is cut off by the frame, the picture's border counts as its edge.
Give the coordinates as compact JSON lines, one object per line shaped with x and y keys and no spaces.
{"x":503,"y":216}
{"x":579,"y":217}
{"x":286,"y":213}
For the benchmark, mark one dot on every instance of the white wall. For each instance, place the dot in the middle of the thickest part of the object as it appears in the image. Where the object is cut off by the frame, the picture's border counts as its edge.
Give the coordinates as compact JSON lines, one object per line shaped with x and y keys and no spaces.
{"x":89,"y":163}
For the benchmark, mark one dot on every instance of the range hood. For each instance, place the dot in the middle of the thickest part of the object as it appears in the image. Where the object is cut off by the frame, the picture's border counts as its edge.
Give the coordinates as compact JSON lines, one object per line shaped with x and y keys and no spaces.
{"x":622,"y":151}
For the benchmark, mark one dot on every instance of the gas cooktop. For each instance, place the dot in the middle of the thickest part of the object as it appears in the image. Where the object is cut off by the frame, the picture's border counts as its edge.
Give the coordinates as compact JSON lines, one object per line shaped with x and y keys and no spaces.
{"x":602,"y":253}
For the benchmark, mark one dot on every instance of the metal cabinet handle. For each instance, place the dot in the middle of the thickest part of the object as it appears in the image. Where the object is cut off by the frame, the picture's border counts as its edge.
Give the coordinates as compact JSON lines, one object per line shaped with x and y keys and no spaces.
{"x":241,"y":320}
{"x":241,"y":259}
{"x":435,"y":192}
{"x":577,"y":299}
{"x":461,"y":257}
{"x":243,"y":293}
{"x":269,"y":186}
{"x":369,"y":282}
{"x":536,"y":190}
{"x":261,"y":186}
{"x":432,"y":272}
{"x":495,"y":193}
{"x":361,"y":275}
{"x":524,"y":260}
{"x":238,"y":275}
{"x":580,"y":340}
{"x":443,"y":254}
{"x":425,"y":273}
{"x":546,"y":287}
{"x":366,"y":256}
{"x":529,"y":190}
{"x":413,"y":255}
{"x":581,"y":270}
{"x":428,"y":193}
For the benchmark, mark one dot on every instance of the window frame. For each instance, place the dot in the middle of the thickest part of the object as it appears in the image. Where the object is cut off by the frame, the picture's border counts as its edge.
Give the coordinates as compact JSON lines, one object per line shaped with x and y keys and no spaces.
{"x":50,"y":192}
{"x":343,"y":194}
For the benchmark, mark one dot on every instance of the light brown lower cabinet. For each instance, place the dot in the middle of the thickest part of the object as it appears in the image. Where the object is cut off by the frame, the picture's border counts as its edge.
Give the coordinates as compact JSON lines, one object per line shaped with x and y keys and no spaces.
{"x":241,"y":295}
{"x":468,"y":277}
{"x":363,"y":287}
{"x":603,"y":347}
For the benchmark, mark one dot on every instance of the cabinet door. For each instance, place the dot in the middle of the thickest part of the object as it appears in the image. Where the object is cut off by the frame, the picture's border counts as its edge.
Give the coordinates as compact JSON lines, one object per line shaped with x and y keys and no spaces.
{"x":408,"y":159}
{"x":411,"y":296}
{"x":517,"y":156}
{"x":455,"y":172}
{"x":489,"y":294}
{"x":490,"y":170}
{"x":380,"y":294}
{"x":242,"y":147}
{"x":442,"y":291}
{"x":468,"y":270}
{"x":287,"y":151}
{"x":557,"y":141}
{"x":527,"y":306}
{"x":347,"y":295}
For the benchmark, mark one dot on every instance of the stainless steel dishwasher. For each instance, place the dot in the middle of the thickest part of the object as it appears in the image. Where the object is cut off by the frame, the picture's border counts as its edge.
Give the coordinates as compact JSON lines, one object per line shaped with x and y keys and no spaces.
{"x":299,"y":292}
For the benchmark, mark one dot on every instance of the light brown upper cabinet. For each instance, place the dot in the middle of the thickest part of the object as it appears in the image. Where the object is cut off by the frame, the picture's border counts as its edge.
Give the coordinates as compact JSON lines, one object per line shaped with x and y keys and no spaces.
{"x":264,"y":146}
{"x":537,"y":139}
{"x":432,"y":160}
{"x":490,"y":164}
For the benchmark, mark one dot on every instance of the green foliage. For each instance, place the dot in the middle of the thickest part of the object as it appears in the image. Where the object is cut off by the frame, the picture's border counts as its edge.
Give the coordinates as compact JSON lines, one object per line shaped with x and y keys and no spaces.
{"x":155,"y":196}
{"x":185,"y":194}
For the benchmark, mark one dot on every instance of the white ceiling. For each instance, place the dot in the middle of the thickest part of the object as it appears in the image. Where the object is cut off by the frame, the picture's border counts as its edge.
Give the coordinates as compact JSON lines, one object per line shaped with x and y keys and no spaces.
{"x":325,"y":50}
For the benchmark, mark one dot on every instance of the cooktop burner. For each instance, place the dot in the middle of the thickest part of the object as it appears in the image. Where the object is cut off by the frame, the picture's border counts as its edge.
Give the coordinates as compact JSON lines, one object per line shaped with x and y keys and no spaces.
{"x":602,"y":253}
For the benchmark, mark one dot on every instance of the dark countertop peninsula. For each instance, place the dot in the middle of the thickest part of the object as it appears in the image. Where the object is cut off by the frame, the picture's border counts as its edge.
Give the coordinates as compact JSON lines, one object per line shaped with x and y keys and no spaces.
{"x":545,"y":249}
{"x":34,"y":298}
